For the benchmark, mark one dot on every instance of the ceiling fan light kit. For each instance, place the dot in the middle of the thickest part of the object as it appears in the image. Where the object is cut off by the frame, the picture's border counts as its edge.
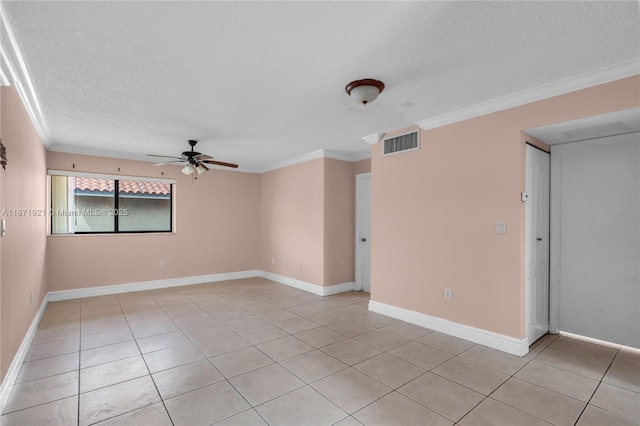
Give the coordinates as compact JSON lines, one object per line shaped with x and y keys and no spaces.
{"x":365,"y":91}
{"x":188,"y":169}
{"x":201,"y":168}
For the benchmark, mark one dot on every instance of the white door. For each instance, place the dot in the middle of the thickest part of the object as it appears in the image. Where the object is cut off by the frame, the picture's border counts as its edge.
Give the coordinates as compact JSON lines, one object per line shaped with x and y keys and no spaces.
{"x":363,"y":227}
{"x":537,"y":243}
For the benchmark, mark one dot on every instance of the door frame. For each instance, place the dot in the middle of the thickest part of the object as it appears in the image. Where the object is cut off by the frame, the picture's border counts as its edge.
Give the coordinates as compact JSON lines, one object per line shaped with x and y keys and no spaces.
{"x":359,"y":212}
{"x":554,"y":242}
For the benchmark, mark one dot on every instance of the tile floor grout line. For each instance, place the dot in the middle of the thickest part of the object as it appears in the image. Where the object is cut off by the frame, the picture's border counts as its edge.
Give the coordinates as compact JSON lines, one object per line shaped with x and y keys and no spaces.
{"x":563,"y":369}
{"x":209,"y":360}
{"x":135,"y":311}
{"x":304,"y":383}
{"x":79,"y":361}
{"x":378,"y":399}
{"x":145,"y":363}
{"x":511,"y":377}
{"x":596,"y":389}
{"x":37,"y":405}
{"x":432,"y":372}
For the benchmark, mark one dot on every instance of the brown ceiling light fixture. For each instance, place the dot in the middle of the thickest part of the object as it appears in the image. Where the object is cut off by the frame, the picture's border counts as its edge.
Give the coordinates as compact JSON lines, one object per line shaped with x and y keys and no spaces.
{"x":365,"y":91}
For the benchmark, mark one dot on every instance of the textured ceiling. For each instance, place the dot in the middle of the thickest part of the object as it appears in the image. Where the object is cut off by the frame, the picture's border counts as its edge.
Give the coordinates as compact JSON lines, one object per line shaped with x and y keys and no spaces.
{"x":262,"y":82}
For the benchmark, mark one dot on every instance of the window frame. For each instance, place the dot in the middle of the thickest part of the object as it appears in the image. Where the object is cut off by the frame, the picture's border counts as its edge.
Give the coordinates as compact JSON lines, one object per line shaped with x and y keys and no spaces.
{"x":116,"y":196}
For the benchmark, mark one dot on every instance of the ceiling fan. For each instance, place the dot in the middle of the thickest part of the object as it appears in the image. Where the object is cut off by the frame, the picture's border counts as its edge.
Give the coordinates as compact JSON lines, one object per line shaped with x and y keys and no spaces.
{"x":195,"y":161}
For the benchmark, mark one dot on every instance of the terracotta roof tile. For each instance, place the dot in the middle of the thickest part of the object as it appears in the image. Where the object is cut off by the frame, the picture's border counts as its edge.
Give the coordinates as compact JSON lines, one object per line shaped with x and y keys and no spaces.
{"x":126,"y":186}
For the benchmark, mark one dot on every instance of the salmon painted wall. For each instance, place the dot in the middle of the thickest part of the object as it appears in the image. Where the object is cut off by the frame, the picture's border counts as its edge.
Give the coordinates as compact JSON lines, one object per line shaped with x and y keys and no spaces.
{"x":449,"y":194}
{"x":339,"y":222}
{"x":292,"y":221}
{"x":307,"y":217}
{"x":216,"y":230}
{"x":362,"y":166}
{"x":23,"y":186}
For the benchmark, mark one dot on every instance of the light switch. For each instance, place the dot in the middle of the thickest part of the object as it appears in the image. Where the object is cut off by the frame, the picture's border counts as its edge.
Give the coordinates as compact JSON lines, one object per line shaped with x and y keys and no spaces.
{"x":501,"y":228}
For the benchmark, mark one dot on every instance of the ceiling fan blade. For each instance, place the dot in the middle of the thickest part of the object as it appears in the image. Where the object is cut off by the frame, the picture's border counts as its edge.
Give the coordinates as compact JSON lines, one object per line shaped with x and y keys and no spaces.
{"x":169,"y":162}
{"x":203,"y":157}
{"x":220,"y":163}
{"x":164,"y":156}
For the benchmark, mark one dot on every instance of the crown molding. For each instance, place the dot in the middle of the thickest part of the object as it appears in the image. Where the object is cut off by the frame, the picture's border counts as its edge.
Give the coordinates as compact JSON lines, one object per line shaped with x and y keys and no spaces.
{"x":321,"y":153}
{"x":347,"y":156}
{"x":373,"y":139}
{"x":13,"y":72}
{"x":295,"y":160}
{"x":560,"y":87}
{"x":97,"y":152}
{"x":4,"y":80}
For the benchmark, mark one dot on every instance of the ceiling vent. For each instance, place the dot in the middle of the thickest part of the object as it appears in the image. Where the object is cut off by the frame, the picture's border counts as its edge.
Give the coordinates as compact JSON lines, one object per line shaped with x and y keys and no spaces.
{"x":402,"y":143}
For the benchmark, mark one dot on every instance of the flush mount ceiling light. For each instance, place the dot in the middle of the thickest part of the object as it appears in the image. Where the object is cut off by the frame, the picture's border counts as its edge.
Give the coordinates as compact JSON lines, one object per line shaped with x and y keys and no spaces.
{"x":365,"y":91}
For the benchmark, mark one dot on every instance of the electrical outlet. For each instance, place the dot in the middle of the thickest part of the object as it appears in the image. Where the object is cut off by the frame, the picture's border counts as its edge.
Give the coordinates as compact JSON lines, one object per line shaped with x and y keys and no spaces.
{"x":162,"y":264}
{"x":273,"y":260}
{"x":447,"y":294}
{"x":31,"y":297}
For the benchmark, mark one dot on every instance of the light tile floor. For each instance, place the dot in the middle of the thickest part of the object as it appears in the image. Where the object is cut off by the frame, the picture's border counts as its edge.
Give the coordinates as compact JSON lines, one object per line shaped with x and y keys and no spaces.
{"x":254,"y":352}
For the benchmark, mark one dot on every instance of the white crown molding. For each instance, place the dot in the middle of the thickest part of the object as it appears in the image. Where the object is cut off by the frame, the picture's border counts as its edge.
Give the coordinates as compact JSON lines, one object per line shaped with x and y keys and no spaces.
{"x":292,"y":161}
{"x":373,"y":139}
{"x":4,"y":80}
{"x":561,"y":87}
{"x":503,"y":343}
{"x":347,"y":156}
{"x":321,"y":153}
{"x":13,"y":72}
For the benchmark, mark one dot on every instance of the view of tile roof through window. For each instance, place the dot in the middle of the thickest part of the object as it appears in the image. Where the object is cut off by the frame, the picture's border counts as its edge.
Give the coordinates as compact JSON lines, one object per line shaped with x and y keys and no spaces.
{"x":126,"y":186}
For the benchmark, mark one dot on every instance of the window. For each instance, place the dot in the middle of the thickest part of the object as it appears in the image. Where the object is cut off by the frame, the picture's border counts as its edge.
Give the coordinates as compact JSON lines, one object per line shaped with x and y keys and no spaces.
{"x":84,"y":203}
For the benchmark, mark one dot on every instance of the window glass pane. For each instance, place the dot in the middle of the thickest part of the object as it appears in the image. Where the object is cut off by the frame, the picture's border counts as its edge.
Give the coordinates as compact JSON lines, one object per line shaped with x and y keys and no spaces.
{"x":144,"y":206}
{"x":92,"y":202}
{"x":80,"y":204}
{"x":87,"y":205}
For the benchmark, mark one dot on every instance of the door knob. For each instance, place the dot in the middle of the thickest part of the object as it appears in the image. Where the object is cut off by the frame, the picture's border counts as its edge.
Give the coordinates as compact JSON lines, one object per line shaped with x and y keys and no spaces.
{"x":363,"y":239}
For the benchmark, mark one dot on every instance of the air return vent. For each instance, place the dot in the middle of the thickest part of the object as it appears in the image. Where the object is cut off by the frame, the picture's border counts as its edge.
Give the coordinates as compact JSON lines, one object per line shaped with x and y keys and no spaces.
{"x":406,"y":142}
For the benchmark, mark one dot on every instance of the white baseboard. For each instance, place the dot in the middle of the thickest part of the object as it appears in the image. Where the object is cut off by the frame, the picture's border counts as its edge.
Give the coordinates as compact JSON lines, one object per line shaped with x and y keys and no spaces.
{"x":306,"y":286}
{"x":338,"y":288}
{"x":16,"y":364}
{"x":292,"y":282}
{"x":55,"y":296}
{"x":503,"y":343}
